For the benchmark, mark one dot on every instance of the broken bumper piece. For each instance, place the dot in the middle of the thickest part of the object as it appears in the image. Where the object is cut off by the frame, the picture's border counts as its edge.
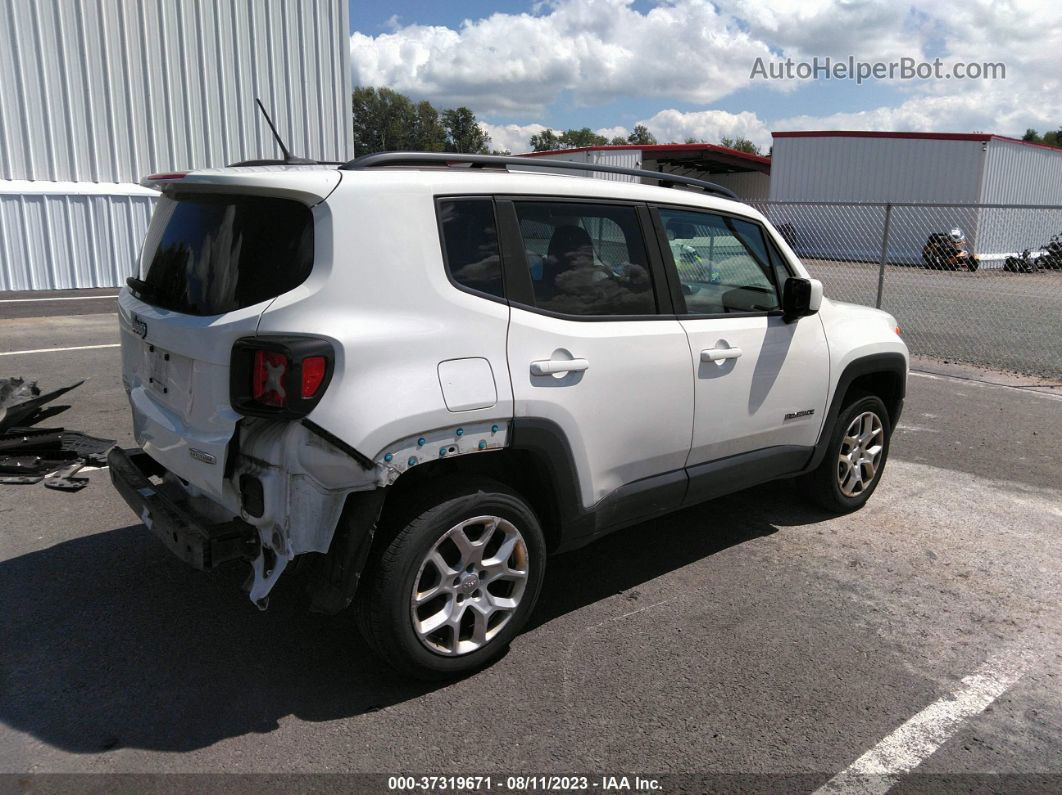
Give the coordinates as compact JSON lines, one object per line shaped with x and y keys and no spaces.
{"x":194,"y":540}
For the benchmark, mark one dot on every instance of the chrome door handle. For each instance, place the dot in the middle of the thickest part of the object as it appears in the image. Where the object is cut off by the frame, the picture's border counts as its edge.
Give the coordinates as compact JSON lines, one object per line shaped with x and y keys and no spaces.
{"x":551,"y":366}
{"x":720,"y":354}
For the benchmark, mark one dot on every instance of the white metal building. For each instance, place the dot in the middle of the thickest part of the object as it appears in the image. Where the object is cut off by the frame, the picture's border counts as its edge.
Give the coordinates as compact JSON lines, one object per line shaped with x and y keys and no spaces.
{"x":892,"y":167}
{"x":747,"y":175}
{"x":95,"y":95}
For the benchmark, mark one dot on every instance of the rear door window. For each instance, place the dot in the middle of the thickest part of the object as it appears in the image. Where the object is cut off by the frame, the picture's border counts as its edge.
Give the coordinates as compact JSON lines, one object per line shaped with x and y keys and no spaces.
{"x":586,"y":258}
{"x":209,"y":254}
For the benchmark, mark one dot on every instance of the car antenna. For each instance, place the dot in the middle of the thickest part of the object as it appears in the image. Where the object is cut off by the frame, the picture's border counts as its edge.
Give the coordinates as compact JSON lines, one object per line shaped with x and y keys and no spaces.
{"x":288,"y":156}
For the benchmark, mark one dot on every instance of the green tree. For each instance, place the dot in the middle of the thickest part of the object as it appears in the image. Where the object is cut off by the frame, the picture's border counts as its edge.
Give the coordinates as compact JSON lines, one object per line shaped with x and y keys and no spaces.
{"x":428,"y":133}
{"x":571,"y":139}
{"x":740,"y":144}
{"x":1053,"y":138}
{"x":383,"y":120}
{"x":545,"y":141}
{"x":641,"y":136}
{"x":463,"y":133}
{"x":619,"y":140}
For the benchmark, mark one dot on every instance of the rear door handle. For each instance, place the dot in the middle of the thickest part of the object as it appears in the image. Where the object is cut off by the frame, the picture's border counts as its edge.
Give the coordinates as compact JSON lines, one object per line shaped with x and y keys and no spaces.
{"x":551,"y":366}
{"x":719,"y":354}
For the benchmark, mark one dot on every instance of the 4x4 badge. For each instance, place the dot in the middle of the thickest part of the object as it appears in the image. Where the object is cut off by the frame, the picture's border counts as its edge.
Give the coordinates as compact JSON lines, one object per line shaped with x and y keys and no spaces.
{"x":139,"y":326}
{"x":795,"y":414}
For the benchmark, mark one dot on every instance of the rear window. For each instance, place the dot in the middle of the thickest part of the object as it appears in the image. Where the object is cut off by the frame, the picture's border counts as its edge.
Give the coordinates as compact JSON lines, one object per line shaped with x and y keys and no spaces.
{"x":209,"y":254}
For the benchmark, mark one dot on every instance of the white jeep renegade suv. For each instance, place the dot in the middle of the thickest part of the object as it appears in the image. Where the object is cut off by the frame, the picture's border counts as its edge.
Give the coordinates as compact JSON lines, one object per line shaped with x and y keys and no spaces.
{"x":420,"y":375}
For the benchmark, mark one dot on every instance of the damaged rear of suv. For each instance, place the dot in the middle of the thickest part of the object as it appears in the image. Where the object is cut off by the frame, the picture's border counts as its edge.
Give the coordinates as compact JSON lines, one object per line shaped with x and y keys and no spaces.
{"x":416,"y":380}
{"x":229,"y":466}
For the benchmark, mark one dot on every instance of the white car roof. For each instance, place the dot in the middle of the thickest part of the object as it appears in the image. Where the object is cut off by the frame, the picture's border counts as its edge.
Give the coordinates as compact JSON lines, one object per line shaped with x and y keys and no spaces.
{"x":319,"y":181}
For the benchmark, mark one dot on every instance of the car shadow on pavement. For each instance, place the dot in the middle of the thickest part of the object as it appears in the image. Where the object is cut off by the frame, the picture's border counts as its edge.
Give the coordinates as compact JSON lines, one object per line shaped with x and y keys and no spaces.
{"x":623,"y":560}
{"x":106,"y":641}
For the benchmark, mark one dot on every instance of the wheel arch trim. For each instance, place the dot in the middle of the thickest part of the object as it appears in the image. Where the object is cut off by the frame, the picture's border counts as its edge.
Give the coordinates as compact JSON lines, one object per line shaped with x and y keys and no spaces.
{"x":888,"y":363}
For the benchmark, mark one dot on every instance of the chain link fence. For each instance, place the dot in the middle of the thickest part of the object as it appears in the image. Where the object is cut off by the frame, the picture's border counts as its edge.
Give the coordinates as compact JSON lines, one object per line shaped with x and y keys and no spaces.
{"x":979,"y":284}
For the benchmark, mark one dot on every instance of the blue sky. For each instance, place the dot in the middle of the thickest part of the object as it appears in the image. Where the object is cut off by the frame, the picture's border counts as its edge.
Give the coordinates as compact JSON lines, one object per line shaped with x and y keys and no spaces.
{"x":682,"y":66}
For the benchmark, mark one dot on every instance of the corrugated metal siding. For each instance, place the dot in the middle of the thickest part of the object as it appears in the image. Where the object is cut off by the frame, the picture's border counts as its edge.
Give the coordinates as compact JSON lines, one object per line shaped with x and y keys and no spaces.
{"x":626,"y":158}
{"x":1018,"y":174}
{"x":110,"y":90}
{"x":1021,"y":174}
{"x":748,"y":185}
{"x":61,"y":237}
{"x":875,"y":170}
{"x":862,"y":170}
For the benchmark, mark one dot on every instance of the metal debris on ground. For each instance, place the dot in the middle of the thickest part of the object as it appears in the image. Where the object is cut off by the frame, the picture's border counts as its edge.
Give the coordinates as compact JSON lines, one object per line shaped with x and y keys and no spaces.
{"x":29,"y":455}
{"x":64,"y":479}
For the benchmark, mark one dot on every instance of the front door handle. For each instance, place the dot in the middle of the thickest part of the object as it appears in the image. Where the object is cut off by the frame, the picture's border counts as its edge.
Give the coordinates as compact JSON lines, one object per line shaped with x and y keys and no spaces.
{"x":552,"y":366}
{"x":719,"y":354}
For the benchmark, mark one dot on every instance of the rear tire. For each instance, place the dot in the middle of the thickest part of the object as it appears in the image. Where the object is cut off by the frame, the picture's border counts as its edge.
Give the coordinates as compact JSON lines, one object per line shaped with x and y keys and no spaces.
{"x":451,"y":585}
{"x":855,"y":457}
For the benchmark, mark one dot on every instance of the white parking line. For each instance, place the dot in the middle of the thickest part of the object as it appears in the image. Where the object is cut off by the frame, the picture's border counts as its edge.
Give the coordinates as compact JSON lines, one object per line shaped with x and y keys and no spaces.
{"x":880,"y":768}
{"x":55,"y":350}
{"x":63,"y":298}
{"x":1027,"y":390}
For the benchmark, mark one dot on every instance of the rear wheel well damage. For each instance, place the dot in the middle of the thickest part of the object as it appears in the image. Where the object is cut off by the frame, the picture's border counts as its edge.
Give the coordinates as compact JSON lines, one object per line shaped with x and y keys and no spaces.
{"x":370,"y":516}
{"x":522,"y":471}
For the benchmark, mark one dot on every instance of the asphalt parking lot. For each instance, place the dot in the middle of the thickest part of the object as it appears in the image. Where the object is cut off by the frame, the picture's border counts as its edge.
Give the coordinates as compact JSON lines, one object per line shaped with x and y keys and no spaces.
{"x":752,"y":643}
{"x":991,"y":317}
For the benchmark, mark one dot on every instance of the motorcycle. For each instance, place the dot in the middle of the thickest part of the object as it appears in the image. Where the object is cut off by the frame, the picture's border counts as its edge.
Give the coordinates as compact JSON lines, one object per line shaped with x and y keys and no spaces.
{"x":1022,"y":264}
{"x":949,"y":251}
{"x":1051,"y":259}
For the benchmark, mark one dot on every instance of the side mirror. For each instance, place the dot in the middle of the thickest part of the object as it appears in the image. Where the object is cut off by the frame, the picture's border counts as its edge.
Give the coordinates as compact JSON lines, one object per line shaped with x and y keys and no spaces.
{"x":800,"y":297}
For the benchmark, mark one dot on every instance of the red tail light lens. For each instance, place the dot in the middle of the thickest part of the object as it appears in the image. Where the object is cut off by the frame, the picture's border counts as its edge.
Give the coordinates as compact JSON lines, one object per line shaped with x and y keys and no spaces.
{"x":279,"y":376}
{"x":313,"y":373}
{"x":267,"y":384}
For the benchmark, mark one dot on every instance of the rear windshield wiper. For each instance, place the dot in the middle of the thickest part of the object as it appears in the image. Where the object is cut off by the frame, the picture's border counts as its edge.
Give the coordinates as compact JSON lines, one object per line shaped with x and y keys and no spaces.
{"x":143,"y":290}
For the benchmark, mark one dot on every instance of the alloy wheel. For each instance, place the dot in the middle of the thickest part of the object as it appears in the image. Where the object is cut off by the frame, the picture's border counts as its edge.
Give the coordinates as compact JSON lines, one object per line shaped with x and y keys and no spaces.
{"x":860,"y":454}
{"x":469,"y":585}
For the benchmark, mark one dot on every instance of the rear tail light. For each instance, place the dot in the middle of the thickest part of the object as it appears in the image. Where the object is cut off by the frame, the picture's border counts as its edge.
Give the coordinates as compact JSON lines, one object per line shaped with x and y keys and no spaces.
{"x":313,"y":373}
{"x":282,"y":377}
{"x":267,"y":380}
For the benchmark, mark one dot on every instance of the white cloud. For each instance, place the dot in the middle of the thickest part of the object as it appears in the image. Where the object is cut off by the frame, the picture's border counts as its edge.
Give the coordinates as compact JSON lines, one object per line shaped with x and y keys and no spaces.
{"x":1000,"y":111}
{"x":708,"y":125}
{"x":612,"y":132}
{"x":597,"y":50}
{"x":511,"y":137}
{"x":515,"y":66}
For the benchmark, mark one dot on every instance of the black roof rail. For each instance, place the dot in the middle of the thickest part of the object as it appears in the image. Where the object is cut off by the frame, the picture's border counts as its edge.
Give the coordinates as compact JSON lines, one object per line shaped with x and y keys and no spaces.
{"x":503,"y":161}
{"x":295,"y":161}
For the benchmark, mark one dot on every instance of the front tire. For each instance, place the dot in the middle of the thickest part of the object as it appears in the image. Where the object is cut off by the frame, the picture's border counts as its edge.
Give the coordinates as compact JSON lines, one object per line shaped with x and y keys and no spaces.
{"x":855,"y":457}
{"x":450,"y":587}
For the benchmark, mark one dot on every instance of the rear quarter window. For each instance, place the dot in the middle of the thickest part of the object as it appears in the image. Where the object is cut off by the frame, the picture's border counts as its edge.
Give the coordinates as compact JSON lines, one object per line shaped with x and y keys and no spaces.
{"x":210,"y":254}
{"x":470,"y":244}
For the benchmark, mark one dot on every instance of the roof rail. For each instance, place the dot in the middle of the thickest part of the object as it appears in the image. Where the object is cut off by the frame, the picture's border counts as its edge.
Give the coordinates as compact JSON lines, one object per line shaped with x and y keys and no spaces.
{"x":503,"y":161}
{"x":294,"y":161}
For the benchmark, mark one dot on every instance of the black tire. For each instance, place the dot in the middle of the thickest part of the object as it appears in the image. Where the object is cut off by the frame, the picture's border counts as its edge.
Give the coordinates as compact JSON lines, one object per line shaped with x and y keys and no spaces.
{"x":383,"y":606}
{"x":822,"y":485}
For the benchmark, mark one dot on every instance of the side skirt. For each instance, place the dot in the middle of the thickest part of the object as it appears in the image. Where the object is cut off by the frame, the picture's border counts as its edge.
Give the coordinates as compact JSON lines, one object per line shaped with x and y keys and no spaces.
{"x":662,"y":494}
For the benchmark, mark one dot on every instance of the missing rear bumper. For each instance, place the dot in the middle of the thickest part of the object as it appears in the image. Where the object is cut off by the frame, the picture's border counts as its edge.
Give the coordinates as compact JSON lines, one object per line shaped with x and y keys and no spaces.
{"x":201,"y":544}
